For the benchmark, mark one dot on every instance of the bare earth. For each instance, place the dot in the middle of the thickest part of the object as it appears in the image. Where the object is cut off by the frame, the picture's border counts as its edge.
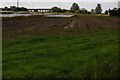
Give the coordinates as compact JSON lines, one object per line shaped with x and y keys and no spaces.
{"x":38,"y":25}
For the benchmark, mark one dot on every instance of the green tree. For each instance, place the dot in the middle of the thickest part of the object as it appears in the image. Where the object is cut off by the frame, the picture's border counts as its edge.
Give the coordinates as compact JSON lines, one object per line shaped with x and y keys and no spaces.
{"x":74,"y":7}
{"x":106,"y":12}
{"x":98,"y":9}
{"x":5,"y":8}
{"x":114,"y":12}
{"x":22,"y":9}
{"x":64,"y":10}
{"x":56,"y":9}
{"x":13,"y":8}
{"x":118,"y":12}
{"x":83,"y":10}
{"x":92,"y":11}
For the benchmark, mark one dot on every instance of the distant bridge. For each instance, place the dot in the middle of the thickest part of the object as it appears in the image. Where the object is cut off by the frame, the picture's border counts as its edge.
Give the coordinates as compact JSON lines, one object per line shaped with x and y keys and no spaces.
{"x":39,"y":10}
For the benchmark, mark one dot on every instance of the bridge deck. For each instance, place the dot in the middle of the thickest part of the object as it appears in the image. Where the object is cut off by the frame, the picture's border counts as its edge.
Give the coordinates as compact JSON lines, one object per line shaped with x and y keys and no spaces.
{"x":39,"y":9}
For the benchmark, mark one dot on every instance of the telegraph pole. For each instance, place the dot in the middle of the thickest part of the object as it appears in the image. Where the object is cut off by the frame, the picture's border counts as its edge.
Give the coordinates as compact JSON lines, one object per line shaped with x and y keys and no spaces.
{"x":17,"y":6}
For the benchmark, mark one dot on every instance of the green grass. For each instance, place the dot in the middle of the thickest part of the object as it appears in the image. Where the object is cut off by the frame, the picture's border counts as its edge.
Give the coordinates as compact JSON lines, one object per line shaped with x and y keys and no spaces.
{"x":96,"y":15}
{"x":85,"y":15}
{"x":77,"y":56}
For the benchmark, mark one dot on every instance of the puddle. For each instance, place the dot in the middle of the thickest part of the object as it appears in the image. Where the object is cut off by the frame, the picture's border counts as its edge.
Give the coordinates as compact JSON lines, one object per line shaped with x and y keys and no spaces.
{"x":15,"y":15}
{"x":58,"y":15}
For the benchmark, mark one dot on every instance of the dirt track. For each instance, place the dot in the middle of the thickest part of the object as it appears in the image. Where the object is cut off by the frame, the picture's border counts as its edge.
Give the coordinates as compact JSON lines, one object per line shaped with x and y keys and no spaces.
{"x":36,"y":25}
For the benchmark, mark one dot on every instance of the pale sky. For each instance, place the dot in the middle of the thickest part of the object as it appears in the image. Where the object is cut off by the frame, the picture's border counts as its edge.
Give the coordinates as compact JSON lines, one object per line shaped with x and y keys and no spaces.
{"x":88,"y":4}
{"x":61,"y":0}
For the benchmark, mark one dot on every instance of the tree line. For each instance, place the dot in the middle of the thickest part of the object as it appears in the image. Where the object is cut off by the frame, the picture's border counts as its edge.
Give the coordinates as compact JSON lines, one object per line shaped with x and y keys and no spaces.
{"x":73,"y":9}
{"x":76,"y":9}
{"x":98,"y":10}
{"x":114,"y":12}
{"x":14,"y":8}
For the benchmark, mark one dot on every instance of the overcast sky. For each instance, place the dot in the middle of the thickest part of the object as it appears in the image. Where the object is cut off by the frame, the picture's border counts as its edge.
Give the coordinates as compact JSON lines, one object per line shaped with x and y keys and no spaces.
{"x":61,"y":0}
{"x":88,"y":4}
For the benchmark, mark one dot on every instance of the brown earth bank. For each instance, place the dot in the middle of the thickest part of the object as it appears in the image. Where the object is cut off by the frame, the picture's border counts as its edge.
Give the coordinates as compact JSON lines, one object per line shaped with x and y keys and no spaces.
{"x":17,"y":27}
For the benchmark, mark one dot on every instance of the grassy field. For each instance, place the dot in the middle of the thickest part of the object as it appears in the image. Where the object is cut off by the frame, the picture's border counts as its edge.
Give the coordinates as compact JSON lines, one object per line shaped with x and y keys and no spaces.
{"x":77,"y":56}
{"x":38,"y":47}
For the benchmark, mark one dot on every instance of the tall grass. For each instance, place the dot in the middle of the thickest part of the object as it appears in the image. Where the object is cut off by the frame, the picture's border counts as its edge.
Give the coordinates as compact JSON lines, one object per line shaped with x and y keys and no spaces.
{"x":77,"y":56}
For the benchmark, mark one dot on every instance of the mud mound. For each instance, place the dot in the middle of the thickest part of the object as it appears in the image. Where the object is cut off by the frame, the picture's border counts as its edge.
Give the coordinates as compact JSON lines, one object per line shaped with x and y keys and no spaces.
{"x":90,"y":23}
